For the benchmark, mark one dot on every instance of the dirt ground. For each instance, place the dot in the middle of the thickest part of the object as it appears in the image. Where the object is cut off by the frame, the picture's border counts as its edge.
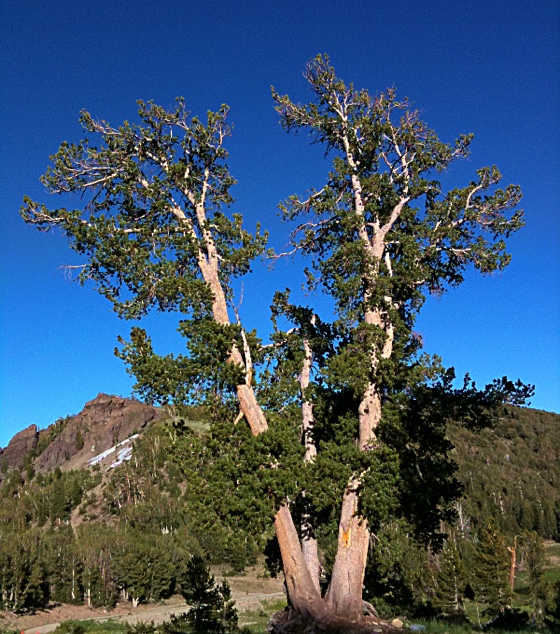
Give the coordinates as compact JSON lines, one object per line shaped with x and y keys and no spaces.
{"x":249,"y":591}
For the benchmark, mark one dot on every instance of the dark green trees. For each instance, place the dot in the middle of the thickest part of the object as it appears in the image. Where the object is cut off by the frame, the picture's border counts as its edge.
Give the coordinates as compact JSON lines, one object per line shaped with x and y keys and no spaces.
{"x":333,"y":420}
{"x":213,"y":609}
{"x":451,"y":580}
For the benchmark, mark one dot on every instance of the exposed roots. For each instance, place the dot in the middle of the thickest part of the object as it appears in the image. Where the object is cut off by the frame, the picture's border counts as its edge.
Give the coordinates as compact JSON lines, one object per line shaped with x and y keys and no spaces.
{"x":291,"y":622}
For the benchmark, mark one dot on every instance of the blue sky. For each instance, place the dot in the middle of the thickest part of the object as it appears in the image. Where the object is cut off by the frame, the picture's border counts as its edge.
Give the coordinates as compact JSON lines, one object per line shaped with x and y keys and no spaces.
{"x":490,"y":68}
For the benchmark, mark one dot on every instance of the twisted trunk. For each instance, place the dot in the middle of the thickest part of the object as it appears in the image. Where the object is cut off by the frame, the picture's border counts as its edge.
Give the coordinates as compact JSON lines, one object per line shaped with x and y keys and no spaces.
{"x":302,"y":585}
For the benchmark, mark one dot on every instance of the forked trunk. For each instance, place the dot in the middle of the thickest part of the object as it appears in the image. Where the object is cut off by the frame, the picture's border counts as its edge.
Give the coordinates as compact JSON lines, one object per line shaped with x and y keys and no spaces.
{"x":343,"y":602}
{"x":345,"y":590}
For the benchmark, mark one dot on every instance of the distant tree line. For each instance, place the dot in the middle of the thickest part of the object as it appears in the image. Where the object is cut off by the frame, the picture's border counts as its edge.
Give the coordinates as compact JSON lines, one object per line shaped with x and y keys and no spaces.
{"x":76,"y":537}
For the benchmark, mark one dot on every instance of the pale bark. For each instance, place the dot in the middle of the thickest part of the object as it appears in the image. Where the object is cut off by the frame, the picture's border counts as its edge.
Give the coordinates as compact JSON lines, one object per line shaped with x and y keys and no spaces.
{"x":345,"y":590}
{"x":309,"y":548}
{"x":369,"y":411}
{"x":344,"y":595}
{"x":308,"y":540}
{"x":303,"y":587}
{"x":209,"y":267}
{"x":304,"y":596}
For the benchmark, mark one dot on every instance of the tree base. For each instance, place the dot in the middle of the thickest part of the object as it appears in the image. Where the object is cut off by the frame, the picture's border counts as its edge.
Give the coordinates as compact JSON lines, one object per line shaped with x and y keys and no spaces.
{"x":291,"y":622}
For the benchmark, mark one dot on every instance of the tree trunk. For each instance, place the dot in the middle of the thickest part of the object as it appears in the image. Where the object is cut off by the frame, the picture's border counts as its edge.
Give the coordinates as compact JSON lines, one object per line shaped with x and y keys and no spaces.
{"x":369,"y":415}
{"x":344,"y":595}
{"x":304,"y":596}
{"x":309,"y":547}
{"x":345,"y":590}
{"x":308,"y":540}
{"x":251,"y":409}
{"x":300,"y":560}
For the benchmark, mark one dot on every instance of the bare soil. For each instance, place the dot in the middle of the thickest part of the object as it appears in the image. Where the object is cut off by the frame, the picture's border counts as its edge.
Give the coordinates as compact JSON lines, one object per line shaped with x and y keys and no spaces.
{"x":249,"y":590}
{"x":552,"y":550}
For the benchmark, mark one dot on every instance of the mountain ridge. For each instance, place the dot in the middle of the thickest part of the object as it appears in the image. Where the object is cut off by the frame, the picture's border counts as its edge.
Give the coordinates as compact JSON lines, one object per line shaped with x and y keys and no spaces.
{"x":70,"y":442}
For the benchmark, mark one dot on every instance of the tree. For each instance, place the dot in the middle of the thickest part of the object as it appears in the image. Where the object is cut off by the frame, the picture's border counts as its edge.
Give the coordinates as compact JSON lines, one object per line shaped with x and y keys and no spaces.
{"x":213,"y":609}
{"x":330,"y":416}
{"x":535,"y":562}
{"x":491,"y":569}
{"x":451,"y":580}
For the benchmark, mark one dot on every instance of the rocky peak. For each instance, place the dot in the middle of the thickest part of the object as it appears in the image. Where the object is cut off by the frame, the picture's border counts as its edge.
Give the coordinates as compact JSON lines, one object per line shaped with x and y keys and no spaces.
{"x":19,"y":446}
{"x":71,"y":442}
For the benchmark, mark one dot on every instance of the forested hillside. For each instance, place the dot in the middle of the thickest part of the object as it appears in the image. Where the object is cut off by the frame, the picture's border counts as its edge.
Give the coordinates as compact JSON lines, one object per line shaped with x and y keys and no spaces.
{"x":97,"y":534}
{"x":512,"y":472}
{"x":125,"y":531}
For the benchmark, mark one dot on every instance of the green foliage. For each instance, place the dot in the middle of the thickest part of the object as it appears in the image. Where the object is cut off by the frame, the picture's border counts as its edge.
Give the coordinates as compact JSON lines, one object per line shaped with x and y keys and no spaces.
{"x":535,"y":562}
{"x":89,"y":626}
{"x":491,"y":567}
{"x":48,"y":435}
{"x":511,"y":472}
{"x":71,"y":627}
{"x":398,"y":577}
{"x":451,"y":580}
{"x":212,"y":607}
{"x":48,"y":497}
{"x":430,"y":237}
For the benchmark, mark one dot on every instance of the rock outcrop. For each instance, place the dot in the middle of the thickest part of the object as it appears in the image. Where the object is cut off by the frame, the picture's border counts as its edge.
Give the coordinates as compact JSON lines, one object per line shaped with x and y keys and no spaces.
{"x":18,"y":447}
{"x":70,"y":443}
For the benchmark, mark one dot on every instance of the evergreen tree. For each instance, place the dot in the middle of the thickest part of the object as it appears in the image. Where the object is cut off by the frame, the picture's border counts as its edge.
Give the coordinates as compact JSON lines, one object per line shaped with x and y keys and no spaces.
{"x":491,"y":569}
{"x":451,"y":580}
{"x":213,"y":609}
{"x":535,"y":561}
{"x":380,"y":236}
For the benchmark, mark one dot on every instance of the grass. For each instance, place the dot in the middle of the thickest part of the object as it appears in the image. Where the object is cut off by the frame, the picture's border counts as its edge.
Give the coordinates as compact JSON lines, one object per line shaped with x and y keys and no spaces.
{"x":440,"y":627}
{"x":82,"y":627}
{"x":552,"y":550}
{"x":256,"y":621}
{"x":91,"y":627}
{"x":250,"y":622}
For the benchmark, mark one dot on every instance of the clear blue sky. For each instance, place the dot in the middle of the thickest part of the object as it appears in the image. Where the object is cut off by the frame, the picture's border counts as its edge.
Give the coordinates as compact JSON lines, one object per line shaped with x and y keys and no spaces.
{"x":490,"y":68}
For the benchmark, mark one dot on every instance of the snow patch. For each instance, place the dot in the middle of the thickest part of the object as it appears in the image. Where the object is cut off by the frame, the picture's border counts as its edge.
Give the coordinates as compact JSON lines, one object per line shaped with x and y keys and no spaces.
{"x":123,"y":455}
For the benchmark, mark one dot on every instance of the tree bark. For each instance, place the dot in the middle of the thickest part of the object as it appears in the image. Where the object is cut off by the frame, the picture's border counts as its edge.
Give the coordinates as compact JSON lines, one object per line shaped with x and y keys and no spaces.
{"x":344,"y":595}
{"x":310,"y":550}
{"x":345,"y":590}
{"x":300,"y":560}
{"x":308,"y":540}
{"x":304,"y":597}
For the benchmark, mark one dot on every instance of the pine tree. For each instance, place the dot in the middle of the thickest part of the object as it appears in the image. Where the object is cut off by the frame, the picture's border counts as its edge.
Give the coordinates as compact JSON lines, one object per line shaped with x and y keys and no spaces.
{"x":491,"y":569}
{"x":381,"y":235}
{"x":450,"y":580}
{"x":535,"y":560}
{"x":213,"y":609}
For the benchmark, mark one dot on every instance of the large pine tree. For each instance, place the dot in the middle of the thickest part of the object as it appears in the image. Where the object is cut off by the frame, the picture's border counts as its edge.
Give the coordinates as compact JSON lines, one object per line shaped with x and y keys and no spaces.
{"x":349,"y":422}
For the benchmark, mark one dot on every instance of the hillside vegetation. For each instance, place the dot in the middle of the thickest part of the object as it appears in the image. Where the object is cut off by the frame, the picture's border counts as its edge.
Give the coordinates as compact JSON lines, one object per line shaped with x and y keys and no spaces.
{"x":104,"y":533}
{"x":512,"y":472}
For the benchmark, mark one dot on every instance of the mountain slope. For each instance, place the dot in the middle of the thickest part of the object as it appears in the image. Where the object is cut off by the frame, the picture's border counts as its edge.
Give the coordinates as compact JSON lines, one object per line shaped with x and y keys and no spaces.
{"x":70,"y":442}
{"x":512,"y":472}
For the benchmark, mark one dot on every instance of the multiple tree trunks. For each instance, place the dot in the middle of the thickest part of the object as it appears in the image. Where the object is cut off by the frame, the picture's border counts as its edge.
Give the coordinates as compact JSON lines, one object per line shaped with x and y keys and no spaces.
{"x":300,"y":560}
{"x":377,"y":255}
